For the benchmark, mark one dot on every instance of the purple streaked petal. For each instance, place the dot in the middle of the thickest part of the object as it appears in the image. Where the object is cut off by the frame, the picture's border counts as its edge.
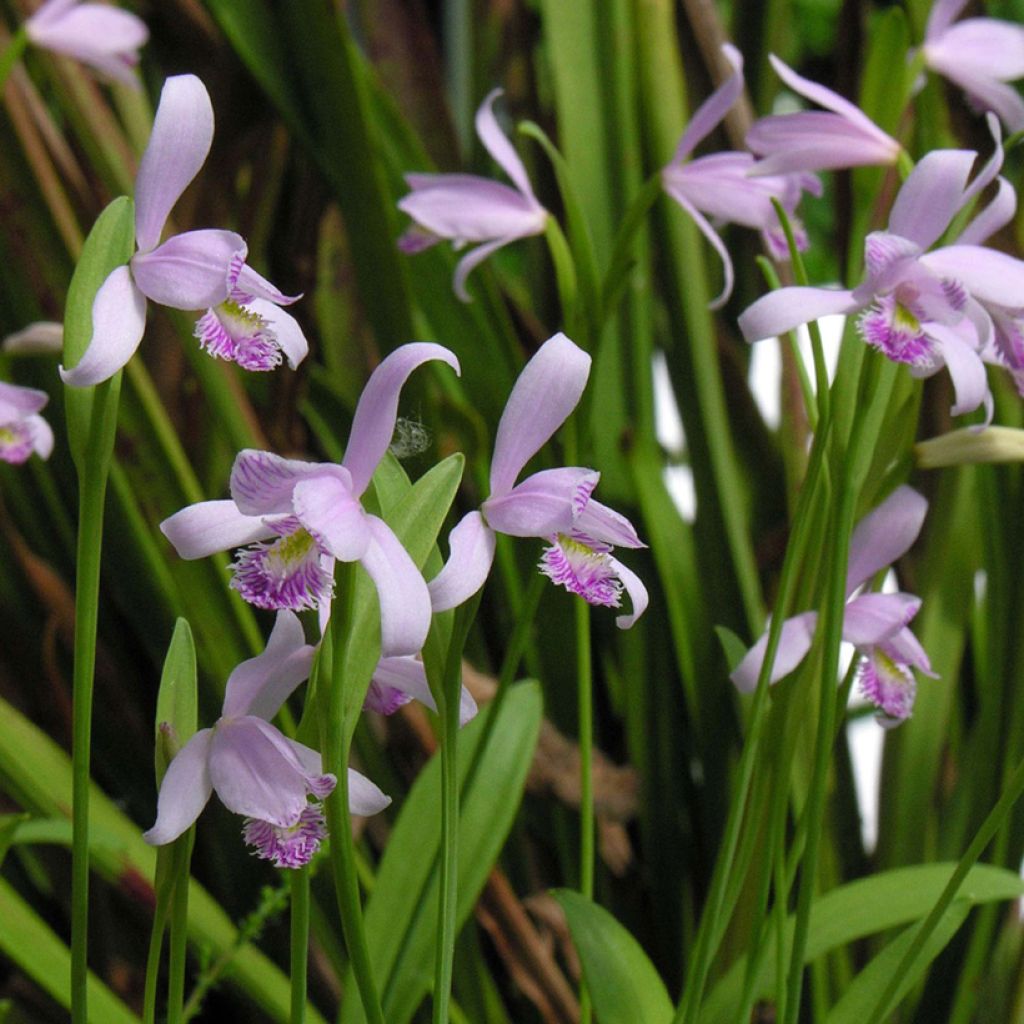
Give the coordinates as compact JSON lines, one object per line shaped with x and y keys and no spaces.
{"x":471,"y":545}
{"x":889,"y":685}
{"x":373,"y":425}
{"x":383,"y":699}
{"x":497,"y":144}
{"x":787,"y":308}
{"x":327,"y":508}
{"x":318,"y":782}
{"x":545,"y":503}
{"x":190,"y":270}
{"x":292,"y":847}
{"x":364,"y":797}
{"x":253,"y":775}
{"x":404,"y":599}
{"x":931,"y":195}
{"x":814,"y":140}
{"x":262,"y":482}
{"x":871,"y":618}
{"x":716,"y":243}
{"x":185,"y":789}
{"x":180,"y":140}
{"x":546,"y":392}
{"x":211,"y":526}
{"x":466,"y":208}
{"x":262,"y":684}
{"x":794,"y":643}
{"x":407,"y":675}
{"x":966,"y":370}
{"x":118,"y":322}
{"x":990,"y":276}
{"x":943,"y":14}
{"x":255,"y":286}
{"x":287,"y":573}
{"x":999,"y":212}
{"x":884,"y":535}
{"x":16,"y":402}
{"x":712,"y":111}
{"x":605,"y":525}
{"x":830,"y":100}
{"x":636,"y":590}
{"x":287,"y":332}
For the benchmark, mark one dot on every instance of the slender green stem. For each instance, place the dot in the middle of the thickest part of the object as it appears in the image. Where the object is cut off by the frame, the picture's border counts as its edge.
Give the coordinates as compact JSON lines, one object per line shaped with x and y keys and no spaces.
{"x":448,"y":895}
{"x":711,"y":924}
{"x":584,"y":695}
{"x":565,"y":277}
{"x":12,"y":55}
{"x":93,"y":485}
{"x":336,"y":743}
{"x":996,"y":818}
{"x":299,"y":933}
{"x":156,"y":938}
{"x":179,"y":927}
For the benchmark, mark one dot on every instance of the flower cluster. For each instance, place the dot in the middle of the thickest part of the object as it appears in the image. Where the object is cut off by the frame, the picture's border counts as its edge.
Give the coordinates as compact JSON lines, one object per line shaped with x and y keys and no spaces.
{"x":22,"y":430}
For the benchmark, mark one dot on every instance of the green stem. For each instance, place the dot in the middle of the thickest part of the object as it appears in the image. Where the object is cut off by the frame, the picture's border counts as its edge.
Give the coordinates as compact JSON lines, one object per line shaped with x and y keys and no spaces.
{"x":336,"y":743}
{"x":12,"y":55}
{"x":448,"y":897}
{"x":299,"y":930}
{"x":93,"y":486}
{"x":996,"y":818}
{"x":565,"y":277}
{"x":179,"y":927}
{"x":584,"y":694}
{"x":156,"y":938}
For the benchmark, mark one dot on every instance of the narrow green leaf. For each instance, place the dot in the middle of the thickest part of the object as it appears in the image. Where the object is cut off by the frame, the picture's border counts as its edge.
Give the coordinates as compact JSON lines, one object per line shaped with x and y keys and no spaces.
{"x":732,"y":646}
{"x":8,"y":828}
{"x":177,"y":700}
{"x":110,"y":245}
{"x":623,"y":984}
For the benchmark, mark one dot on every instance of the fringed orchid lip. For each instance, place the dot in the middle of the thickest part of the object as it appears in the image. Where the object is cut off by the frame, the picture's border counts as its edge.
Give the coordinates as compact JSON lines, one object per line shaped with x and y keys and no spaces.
{"x":888,"y":684}
{"x":291,"y":846}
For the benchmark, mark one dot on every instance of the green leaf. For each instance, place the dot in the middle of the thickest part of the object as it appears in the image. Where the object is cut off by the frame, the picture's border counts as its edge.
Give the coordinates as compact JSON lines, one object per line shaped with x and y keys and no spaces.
{"x":177,"y":700}
{"x":401,"y":915}
{"x":28,"y":941}
{"x":624,"y":986}
{"x":863,"y":993}
{"x":733,"y":647}
{"x":864,"y":907}
{"x":8,"y":827}
{"x":110,"y":244}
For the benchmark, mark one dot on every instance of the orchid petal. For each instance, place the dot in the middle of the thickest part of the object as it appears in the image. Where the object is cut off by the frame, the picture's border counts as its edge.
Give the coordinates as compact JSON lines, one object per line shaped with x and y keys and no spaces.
{"x":786,"y":308}
{"x":943,"y":14}
{"x":546,"y":392}
{"x":497,"y":144}
{"x":190,"y":270}
{"x":404,"y":599}
{"x":984,"y":47}
{"x":408,"y":675}
{"x":251,"y":283}
{"x":884,"y":535}
{"x":41,"y":434}
{"x":252,"y":775}
{"x":178,"y":145}
{"x":992,"y":166}
{"x":907,"y":649}
{"x":990,"y":276}
{"x":185,"y":789}
{"x":716,"y":243}
{"x":966,"y":370}
{"x":211,"y":526}
{"x":118,"y":322}
{"x":986,"y":92}
{"x":40,"y":338}
{"x":262,"y":684}
{"x":472,"y":260}
{"x":931,"y":195}
{"x":605,"y":525}
{"x":871,"y":618}
{"x":262,"y":483}
{"x":373,"y":425}
{"x":712,"y":111}
{"x":545,"y":503}
{"x":17,"y":402}
{"x":999,"y":212}
{"x":636,"y":590}
{"x":471,"y":545}
{"x":287,"y":332}
{"x":48,"y":13}
{"x":364,"y":797}
{"x":814,"y":140}
{"x":103,"y":37}
{"x":310,"y":763}
{"x":794,"y":643}
{"x":326,"y":507}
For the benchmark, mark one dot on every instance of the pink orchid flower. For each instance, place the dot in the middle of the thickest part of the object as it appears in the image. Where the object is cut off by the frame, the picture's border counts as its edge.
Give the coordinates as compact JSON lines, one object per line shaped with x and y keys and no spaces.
{"x":554,"y":504}
{"x":466,"y":208}
{"x":105,"y":38}
{"x":835,"y":138}
{"x":876,"y":624}
{"x":22,"y":430}
{"x":981,"y":55}
{"x":311,"y":514}
{"x":721,"y":186}
{"x":193,"y":270}
{"x":925,"y":309}
{"x":398,"y":680}
{"x":255,"y":770}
